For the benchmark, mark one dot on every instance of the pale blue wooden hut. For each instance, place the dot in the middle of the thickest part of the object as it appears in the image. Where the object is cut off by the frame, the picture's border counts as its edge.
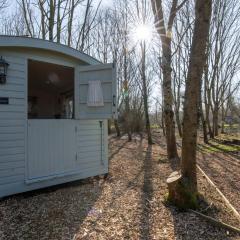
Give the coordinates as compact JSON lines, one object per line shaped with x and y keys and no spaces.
{"x":54,"y":106}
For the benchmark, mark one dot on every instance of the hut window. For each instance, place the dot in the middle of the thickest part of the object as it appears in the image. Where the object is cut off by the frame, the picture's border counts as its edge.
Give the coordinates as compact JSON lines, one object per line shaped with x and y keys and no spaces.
{"x":95,"y":94}
{"x":50,"y":91}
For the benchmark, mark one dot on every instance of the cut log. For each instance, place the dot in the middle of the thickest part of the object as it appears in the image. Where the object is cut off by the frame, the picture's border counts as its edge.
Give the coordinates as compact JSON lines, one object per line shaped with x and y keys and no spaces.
{"x":172,"y":182}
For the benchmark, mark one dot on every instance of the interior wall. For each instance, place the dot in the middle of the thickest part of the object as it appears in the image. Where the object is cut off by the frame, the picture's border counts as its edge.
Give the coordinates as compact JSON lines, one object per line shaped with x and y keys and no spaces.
{"x":49,"y":85}
{"x":48,"y":105}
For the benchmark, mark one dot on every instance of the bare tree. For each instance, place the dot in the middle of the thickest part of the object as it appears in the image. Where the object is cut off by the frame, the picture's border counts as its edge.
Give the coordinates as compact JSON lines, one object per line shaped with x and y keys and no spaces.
{"x":223,"y":60}
{"x":165,"y":34}
{"x":183,"y":188}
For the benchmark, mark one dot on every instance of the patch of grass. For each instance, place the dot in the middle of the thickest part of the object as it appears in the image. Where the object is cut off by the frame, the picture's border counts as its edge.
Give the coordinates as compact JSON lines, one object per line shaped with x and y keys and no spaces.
{"x":155,"y":126}
{"x":220,"y":144}
{"x":221,"y":148}
{"x":231,"y":126}
{"x":224,"y":137}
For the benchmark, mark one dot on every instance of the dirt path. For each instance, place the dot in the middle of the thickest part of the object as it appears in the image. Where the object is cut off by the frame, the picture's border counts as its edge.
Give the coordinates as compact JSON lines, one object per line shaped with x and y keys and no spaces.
{"x":129,"y":204}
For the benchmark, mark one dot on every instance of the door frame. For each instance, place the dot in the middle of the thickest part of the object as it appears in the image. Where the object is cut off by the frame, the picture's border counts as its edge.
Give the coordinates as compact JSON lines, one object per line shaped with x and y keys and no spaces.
{"x":53,"y":60}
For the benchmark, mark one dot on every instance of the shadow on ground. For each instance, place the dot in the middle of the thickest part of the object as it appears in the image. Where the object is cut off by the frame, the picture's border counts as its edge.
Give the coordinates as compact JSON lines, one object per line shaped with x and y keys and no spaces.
{"x":52,"y":213}
{"x":147,"y":194}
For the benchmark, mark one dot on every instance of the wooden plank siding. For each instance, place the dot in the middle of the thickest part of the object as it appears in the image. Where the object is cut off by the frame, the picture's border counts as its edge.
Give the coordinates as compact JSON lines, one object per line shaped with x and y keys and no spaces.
{"x":13,"y":129}
{"x":61,"y":147}
{"x":12,"y":121}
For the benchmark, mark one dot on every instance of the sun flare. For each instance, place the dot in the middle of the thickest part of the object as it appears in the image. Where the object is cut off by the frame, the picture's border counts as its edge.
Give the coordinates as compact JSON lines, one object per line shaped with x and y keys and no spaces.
{"x":143,"y":32}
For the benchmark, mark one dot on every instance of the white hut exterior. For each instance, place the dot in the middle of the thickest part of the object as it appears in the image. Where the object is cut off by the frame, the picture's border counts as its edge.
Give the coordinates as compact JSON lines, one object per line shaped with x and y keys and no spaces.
{"x":54,"y":108}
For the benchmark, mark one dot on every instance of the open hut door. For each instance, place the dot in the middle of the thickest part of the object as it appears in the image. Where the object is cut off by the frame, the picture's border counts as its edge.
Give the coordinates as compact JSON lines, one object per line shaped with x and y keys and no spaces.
{"x":95,"y":92}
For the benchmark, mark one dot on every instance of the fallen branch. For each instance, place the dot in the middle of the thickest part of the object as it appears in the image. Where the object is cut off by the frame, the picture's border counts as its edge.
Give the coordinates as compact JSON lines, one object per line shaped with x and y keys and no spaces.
{"x":220,"y":193}
{"x":216,"y":222}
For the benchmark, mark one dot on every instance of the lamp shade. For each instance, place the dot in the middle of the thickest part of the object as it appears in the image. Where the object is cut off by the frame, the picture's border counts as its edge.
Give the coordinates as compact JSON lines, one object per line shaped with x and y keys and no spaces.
{"x":3,"y":70}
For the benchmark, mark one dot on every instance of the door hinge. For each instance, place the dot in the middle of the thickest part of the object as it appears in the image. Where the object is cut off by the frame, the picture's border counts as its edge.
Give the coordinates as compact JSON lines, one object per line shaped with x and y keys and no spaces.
{"x":114,"y":100}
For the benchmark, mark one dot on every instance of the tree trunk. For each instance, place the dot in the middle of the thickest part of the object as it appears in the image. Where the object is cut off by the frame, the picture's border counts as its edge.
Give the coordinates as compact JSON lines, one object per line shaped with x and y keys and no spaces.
{"x":163,"y":125}
{"x":188,"y":184}
{"x":207,"y":110}
{"x":145,"y":93}
{"x":117,"y":128}
{"x":165,"y":37}
{"x":168,"y":101}
{"x":52,"y":9}
{"x":215,"y":122}
{"x":70,"y":23}
{"x":223,"y":117}
{"x":179,"y":124}
{"x":204,"y":126}
{"x":127,"y":115}
{"x":41,"y":7}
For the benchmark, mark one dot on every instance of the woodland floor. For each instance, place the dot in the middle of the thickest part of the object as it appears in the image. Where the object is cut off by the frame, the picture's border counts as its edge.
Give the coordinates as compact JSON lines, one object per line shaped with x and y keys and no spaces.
{"x":130,"y":203}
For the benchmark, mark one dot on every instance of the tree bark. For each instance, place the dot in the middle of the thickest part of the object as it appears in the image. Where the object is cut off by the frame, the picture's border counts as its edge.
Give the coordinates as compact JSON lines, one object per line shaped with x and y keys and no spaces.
{"x":186,"y":185}
{"x":52,"y":8}
{"x":165,"y":36}
{"x":215,"y":121}
{"x":179,"y":124}
{"x":204,"y":126}
{"x":192,"y":94}
{"x":117,"y":128}
{"x":223,"y":117}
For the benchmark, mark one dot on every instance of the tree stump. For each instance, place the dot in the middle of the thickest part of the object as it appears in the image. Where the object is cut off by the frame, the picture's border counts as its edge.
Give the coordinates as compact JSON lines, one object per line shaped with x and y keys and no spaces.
{"x":178,"y":192}
{"x":172,"y":182}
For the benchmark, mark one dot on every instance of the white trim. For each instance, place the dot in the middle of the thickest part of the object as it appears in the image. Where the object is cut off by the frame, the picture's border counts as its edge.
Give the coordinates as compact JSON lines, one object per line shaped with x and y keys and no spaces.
{"x":26,"y":120}
{"x":95,"y":68}
{"x":26,"y":42}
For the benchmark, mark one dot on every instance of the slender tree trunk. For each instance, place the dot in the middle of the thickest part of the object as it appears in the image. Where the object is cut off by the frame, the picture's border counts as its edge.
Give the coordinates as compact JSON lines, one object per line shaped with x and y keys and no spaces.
{"x":165,"y":37}
{"x":223,"y":117}
{"x":208,"y":121}
{"x":117,"y":128}
{"x":179,"y":124}
{"x":43,"y":30}
{"x":145,"y":93}
{"x":25,"y":14}
{"x":168,"y":102}
{"x":70,"y":23}
{"x":163,"y":124}
{"x":51,"y":18}
{"x":215,"y":121}
{"x":204,"y":126}
{"x":59,"y":22}
{"x":128,"y":119}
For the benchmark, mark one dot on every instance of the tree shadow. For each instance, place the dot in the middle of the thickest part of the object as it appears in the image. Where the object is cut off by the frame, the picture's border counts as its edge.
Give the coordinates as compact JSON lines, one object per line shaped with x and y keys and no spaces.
{"x":119,"y":147}
{"x":55,"y":212}
{"x":50,"y":213}
{"x":174,"y":162}
{"x":147,"y":194}
{"x":189,"y":226}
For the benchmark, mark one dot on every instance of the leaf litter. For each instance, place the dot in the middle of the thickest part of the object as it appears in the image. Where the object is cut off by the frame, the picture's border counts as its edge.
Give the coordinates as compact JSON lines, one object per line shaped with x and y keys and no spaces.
{"x":128,"y":204}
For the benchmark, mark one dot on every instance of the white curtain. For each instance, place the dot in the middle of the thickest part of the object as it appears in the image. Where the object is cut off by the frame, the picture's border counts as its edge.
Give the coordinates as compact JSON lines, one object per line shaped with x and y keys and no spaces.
{"x":95,"y":94}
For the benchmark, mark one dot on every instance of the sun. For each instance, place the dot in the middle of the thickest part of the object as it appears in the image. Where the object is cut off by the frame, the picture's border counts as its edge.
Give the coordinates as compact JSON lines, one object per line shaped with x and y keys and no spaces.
{"x":141,"y":32}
